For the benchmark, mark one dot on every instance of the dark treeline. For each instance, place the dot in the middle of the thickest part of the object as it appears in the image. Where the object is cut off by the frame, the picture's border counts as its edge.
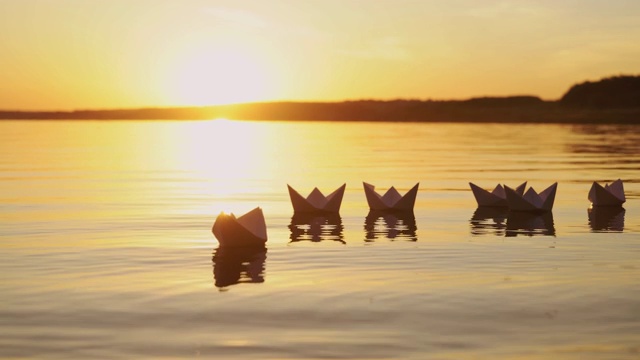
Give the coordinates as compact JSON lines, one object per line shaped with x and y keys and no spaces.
{"x":611,"y":100}
{"x":613,"y":92}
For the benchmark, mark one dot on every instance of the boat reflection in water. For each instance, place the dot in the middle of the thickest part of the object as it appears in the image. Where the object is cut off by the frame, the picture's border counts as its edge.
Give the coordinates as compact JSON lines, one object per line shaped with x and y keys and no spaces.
{"x":395,"y":225}
{"x":530,"y":224}
{"x":502,"y":222}
{"x":606,"y":218}
{"x":316,"y":227}
{"x":234,"y":265}
{"x":489,"y":220}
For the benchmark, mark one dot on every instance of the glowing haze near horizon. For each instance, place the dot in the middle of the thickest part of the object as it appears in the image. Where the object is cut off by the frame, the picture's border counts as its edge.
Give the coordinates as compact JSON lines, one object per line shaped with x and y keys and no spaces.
{"x":70,"y":54}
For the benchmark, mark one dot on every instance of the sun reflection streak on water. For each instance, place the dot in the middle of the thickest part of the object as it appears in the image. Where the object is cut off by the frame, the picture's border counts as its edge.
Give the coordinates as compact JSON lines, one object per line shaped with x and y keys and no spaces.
{"x":225,"y":156}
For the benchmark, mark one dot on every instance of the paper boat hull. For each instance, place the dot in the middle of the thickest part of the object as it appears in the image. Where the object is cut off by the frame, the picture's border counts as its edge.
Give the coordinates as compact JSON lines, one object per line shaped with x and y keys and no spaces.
{"x":376,"y":202}
{"x":519,"y":204}
{"x":303,"y":205}
{"x":530,"y":201}
{"x":599,"y":196}
{"x":496,"y":198}
{"x":230,"y":233}
{"x":485,"y":198}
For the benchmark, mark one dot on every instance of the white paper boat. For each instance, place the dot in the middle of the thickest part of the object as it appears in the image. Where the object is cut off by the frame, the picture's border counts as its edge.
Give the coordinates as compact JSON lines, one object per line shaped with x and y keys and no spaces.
{"x":249,"y":229}
{"x":609,"y":195}
{"x":391,"y":200}
{"x":316,"y":201}
{"x":496,"y":198}
{"x":531,"y":201}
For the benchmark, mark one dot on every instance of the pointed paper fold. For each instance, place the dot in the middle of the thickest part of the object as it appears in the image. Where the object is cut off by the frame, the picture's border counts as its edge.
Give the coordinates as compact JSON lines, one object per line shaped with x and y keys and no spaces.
{"x":531,"y":201}
{"x":249,"y":229}
{"x":391,"y":200}
{"x":609,"y":195}
{"x":496,"y":198}
{"x":316,"y":202}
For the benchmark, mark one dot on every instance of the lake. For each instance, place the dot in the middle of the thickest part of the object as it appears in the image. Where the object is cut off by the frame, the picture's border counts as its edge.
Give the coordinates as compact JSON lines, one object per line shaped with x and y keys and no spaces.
{"x":106,"y":248}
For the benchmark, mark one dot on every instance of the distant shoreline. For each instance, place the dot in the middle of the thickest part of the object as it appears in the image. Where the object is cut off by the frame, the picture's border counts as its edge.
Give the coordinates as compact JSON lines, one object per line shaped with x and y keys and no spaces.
{"x":514,"y":109}
{"x":612,"y":100}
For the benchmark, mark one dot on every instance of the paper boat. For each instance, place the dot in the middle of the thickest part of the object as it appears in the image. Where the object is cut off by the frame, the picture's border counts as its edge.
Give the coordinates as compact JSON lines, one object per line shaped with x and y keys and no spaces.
{"x":609,"y":195}
{"x":391,"y":200}
{"x":496,"y":198}
{"x":316,"y":202}
{"x":249,"y":229}
{"x":531,"y":201}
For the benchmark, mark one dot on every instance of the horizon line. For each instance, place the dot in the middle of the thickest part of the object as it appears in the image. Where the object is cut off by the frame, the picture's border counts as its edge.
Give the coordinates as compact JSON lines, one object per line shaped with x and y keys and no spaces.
{"x":156,"y":107}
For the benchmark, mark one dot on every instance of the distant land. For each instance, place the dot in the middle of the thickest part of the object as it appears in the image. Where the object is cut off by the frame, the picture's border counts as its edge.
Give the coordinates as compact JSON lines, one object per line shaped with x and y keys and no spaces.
{"x":607,"y":101}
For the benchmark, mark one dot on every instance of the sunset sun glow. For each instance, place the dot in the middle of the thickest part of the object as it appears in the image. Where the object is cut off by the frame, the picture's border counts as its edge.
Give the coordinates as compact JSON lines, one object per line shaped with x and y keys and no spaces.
{"x":219,"y":76}
{"x":76,"y":54}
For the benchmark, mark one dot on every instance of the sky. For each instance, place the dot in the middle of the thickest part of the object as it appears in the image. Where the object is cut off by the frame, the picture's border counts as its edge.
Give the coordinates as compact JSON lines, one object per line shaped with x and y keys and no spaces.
{"x":98,"y":54}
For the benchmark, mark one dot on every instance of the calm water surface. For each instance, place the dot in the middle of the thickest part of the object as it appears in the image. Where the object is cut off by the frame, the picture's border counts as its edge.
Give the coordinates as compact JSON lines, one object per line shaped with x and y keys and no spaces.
{"x":106,"y":248}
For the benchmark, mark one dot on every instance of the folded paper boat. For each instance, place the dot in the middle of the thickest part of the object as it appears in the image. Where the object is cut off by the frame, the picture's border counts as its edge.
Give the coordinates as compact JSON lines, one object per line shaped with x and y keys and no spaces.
{"x":247,"y":230}
{"x":607,"y":195}
{"x":496,"y":198}
{"x":391,"y":200}
{"x":531,"y":201}
{"x":316,"y":201}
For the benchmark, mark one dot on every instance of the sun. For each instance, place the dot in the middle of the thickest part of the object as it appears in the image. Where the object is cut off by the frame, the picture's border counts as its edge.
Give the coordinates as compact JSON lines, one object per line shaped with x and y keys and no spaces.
{"x":220,"y":76}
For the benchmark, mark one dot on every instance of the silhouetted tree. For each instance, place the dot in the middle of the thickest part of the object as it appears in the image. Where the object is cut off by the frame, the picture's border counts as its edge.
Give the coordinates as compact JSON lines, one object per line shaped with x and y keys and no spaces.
{"x":608,"y":93}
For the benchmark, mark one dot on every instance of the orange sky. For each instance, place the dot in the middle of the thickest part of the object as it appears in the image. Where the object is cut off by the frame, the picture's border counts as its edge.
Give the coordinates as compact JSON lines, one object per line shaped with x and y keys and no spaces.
{"x":74,"y":54}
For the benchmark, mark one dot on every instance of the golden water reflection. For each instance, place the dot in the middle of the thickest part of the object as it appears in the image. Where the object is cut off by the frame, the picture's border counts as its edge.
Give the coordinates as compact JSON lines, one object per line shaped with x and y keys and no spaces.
{"x":502,"y":222}
{"x":238,"y":265}
{"x":397,"y":225}
{"x":606,"y":218}
{"x":489,"y":220}
{"x":316,"y":228}
{"x":522,"y":223}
